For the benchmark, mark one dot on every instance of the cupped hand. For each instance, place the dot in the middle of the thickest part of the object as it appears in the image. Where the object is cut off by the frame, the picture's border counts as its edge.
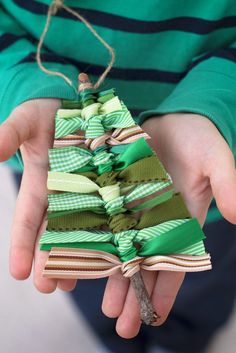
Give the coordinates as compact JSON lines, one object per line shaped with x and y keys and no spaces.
{"x":191,"y":149}
{"x":30,"y":127}
{"x":202,"y":167}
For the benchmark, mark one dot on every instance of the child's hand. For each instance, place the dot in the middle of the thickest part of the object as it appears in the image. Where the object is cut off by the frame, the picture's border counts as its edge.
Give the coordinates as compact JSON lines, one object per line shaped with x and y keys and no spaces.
{"x":31,"y":126}
{"x":193,"y":152}
{"x":201,"y":166}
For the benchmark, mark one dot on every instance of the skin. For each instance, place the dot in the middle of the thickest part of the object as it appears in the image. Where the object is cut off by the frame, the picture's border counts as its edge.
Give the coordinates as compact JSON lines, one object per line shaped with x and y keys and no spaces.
{"x":192,"y":150}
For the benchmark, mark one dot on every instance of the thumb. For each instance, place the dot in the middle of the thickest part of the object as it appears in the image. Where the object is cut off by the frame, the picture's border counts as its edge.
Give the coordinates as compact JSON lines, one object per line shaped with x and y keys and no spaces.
{"x":13,"y":132}
{"x":223,"y":184}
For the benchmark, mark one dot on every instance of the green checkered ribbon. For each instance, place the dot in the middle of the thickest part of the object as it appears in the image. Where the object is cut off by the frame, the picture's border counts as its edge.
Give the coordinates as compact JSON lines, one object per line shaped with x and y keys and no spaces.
{"x":76,"y":159}
{"x":182,"y":236}
{"x":112,"y":201}
{"x":95,"y":119}
{"x":71,"y":159}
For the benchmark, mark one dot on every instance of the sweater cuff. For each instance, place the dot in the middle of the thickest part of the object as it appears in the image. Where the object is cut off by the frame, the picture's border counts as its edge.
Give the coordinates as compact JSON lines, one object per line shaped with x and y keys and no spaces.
{"x":206,"y":93}
{"x":26,"y":81}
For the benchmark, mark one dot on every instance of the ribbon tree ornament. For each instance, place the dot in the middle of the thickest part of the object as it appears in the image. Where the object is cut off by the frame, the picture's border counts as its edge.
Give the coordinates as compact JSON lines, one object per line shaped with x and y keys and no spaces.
{"x":111,"y":204}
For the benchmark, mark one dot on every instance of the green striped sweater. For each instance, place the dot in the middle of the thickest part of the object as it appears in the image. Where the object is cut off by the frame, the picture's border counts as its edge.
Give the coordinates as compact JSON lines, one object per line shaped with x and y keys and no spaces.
{"x":171,"y":55}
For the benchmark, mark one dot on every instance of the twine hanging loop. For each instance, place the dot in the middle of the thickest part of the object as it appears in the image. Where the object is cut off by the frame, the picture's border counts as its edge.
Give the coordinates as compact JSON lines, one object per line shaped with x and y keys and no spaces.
{"x":55,"y":6}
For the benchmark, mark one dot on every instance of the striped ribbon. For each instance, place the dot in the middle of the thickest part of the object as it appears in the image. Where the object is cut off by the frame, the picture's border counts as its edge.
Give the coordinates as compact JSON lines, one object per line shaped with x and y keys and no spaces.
{"x":71,"y":159}
{"x":183,"y":236}
{"x":89,"y":264}
{"x":95,"y":119}
{"x":117,"y":137}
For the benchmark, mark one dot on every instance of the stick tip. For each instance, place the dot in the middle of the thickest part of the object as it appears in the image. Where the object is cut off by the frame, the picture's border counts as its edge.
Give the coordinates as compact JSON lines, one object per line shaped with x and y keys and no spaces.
{"x":84,"y":82}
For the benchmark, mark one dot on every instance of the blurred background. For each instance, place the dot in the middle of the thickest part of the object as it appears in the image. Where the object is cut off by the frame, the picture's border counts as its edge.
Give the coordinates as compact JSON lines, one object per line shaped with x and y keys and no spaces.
{"x":50,"y":322}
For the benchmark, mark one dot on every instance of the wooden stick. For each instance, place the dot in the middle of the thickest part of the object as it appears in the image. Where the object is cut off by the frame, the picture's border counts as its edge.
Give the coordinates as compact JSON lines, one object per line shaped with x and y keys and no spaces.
{"x":84,"y":82}
{"x":147,"y":312}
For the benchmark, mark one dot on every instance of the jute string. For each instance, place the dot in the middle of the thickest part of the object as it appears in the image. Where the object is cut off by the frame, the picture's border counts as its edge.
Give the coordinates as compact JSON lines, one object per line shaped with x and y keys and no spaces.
{"x":52,"y":10}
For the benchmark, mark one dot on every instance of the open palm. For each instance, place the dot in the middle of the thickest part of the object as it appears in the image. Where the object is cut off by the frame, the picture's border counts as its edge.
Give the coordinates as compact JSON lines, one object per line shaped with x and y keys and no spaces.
{"x":31,"y":127}
{"x":201,"y":166}
{"x":193,"y":152}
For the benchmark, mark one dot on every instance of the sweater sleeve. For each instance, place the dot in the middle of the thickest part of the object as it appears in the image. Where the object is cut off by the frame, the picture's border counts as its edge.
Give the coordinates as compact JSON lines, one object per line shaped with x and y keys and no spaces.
{"x":21,"y":78}
{"x":208,"y":89}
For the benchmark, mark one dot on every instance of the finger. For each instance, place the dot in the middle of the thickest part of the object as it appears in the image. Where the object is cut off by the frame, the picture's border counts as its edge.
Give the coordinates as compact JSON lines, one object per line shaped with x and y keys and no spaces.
{"x":30,"y":207}
{"x":13,"y":132}
{"x":66,"y":285}
{"x":164,"y":293}
{"x":223,"y":184}
{"x":128,"y":323}
{"x":198,"y":207}
{"x":43,"y":284}
{"x":115,"y":294}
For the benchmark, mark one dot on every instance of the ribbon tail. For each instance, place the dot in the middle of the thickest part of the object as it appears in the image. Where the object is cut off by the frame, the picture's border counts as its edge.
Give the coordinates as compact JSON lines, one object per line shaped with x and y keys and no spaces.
{"x":70,"y":263}
{"x":177,"y":263}
{"x":80,"y":264}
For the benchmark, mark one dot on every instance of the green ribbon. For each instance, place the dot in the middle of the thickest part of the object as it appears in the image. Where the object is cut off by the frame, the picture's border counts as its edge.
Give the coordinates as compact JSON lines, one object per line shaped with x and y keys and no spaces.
{"x":148,"y":169}
{"x":112,"y":201}
{"x":176,"y":236}
{"x":112,"y":187}
{"x":76,"y":159}
{"x":95,"y":119}
{"x":143,"y":171}
{"x":172,"y":209}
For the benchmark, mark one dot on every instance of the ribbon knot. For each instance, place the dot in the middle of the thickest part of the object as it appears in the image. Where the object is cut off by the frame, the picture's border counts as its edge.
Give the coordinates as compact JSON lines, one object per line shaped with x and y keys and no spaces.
{"x":103,"y":160}
{"x":106,"y":179}
{"x":113,"y":202}
{"x":115,"y":206}
{"x":90,"y":111}
{"x":95,"y":119}
{"x":110,"y":192}
{"x":124,"y":241}
{"x":94,"y":126}
{"x":83,"y":125}
{"x":129,"y":268}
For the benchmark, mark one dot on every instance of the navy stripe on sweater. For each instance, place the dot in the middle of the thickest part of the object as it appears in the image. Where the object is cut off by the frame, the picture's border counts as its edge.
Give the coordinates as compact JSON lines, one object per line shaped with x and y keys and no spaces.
{"x":8,"y":39}
{"x":133,"y":74}
{"x":116,"y":22}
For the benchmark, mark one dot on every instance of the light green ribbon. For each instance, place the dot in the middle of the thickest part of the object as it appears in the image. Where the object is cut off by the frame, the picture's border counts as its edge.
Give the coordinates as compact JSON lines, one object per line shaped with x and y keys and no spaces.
{"x":95,"y":119}
{"x":77,"y":159}
{"x":183,"y":236}
{"x":112,"y":201}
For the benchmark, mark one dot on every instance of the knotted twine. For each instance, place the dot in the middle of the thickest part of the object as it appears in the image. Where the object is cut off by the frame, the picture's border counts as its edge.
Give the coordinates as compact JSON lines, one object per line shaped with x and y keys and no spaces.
{"x":55,"y":6}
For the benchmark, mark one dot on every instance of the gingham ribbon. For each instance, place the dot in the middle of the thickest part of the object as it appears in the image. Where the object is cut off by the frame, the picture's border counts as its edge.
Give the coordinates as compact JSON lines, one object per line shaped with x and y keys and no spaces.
{"x":69,"y":159}
{"x":72,"y":158}
{"x":111,"y":202}
{"x":95,"y":119}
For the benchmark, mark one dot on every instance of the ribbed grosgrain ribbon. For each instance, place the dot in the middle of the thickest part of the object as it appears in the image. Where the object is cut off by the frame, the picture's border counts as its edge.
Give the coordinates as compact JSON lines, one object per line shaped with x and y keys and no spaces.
{"x":95,"y":119}
{"x":173,"y":208}
{"x":144,"y":170}
{"x":89,"y":264}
